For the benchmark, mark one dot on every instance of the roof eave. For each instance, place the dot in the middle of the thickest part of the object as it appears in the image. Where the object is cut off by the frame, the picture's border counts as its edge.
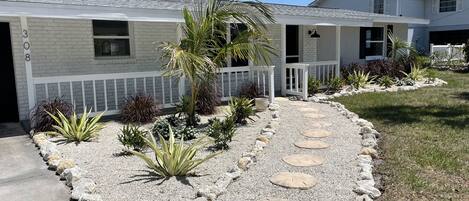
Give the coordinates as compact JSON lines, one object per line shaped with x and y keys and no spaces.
{"x":401,"y":20}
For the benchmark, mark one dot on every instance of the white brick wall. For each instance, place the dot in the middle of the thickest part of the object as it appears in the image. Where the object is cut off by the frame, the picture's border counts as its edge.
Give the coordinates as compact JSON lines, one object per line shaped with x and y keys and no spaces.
{"x":310,"y":45}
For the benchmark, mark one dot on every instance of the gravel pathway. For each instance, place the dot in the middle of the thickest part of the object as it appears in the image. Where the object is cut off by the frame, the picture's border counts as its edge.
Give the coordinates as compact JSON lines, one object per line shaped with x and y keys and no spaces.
{"x":125,"y":178}
{"x":336,"y":176}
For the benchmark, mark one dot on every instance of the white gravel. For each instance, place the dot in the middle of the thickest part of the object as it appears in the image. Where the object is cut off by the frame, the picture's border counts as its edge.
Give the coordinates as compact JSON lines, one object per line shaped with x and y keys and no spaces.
{"x":336,"y":176}
{"x":126,"y":178}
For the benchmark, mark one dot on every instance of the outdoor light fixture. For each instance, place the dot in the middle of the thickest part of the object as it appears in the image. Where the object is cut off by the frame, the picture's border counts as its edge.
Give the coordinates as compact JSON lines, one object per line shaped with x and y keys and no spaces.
{"x":314,"y":34}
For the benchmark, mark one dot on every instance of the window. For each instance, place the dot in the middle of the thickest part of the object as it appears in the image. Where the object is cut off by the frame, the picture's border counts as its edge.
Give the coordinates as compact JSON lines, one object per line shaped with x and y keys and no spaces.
{"x":235,"y":29}
{"x":447,"y":6}
{"x":378,"y":6}
{"x":111,"y":38}
{"x":371,"y":42}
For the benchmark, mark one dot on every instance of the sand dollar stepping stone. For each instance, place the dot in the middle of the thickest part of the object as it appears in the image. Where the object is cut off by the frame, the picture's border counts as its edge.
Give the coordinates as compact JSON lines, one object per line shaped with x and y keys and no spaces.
{"x":320,"y":124}
{"x":303,"y":160}
{"x":314,"y":115}
{"x":317,"y":133}
{"x":312,"y":144}
{"x":308,"y":109}
{"x":294,"y":180}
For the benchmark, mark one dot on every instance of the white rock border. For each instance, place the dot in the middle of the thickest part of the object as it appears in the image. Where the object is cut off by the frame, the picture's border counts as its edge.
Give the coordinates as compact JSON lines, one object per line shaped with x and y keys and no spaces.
{"x":365,"y":184}
{"x":211,"y":192}
{"x":83,"y":188}
{"x":377,"y":89}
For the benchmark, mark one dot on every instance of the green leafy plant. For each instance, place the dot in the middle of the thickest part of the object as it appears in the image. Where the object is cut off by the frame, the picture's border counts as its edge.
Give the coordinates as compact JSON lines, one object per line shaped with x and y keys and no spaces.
{"x":416,"y":73}
{"x":173,"y":159}
{"x":242,"y":109}
{"x":40,"y":117}
{"x":359,"y":79}
{"x":385,"y":81}
{"x":335,"y":84}
{"x":74,"y":128}
{"x":222,"y":131}
{"x":132,"y":137}
{"x":181,"y":130}
{"x":313,"y":85}
{"x":139,"y":109}
{"x":184,"y":111}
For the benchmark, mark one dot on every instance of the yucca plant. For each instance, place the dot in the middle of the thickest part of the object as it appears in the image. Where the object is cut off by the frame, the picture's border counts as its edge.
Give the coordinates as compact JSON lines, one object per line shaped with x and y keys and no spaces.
{"x":416,"y":73}
{"x":76,"y":129}
{"x":173,"y":159}
{"x":359,"y":79}
{"x":242,"y":109}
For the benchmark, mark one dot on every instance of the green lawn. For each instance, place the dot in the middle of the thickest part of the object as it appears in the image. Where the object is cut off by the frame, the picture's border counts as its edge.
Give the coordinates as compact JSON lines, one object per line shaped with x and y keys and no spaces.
{"x":426,"y":139}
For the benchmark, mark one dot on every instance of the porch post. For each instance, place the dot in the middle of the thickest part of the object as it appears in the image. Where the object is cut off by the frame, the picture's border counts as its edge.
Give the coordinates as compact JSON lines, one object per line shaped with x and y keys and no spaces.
{"x":283,"y":57}
{"x":337,"y":45}
{"x":182,"y":80}
{"x":27,"y":61}
{"x":271,"y":84}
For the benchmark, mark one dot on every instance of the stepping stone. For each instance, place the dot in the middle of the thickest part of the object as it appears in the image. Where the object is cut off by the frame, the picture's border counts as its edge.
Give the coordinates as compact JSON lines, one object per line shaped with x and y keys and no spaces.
{"x":317,"y":133}
{"x":294,"y":180}
{"x":308,"y":109}
{"x":312,"y":144}
{"x":314,"y":115}
{"x":303,"y":160}
{"x":319,"y":124}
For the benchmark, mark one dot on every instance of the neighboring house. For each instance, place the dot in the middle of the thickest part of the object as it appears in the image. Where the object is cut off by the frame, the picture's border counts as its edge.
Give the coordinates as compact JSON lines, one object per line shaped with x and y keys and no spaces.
{"x":448,"y":18}
{"x":96,"y":53}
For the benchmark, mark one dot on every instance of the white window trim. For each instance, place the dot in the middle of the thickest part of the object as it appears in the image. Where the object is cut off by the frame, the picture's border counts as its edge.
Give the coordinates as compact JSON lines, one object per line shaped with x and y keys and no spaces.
{"x":438,"y":7}
{"x":377,"y":57}
{"x":123,"y":59}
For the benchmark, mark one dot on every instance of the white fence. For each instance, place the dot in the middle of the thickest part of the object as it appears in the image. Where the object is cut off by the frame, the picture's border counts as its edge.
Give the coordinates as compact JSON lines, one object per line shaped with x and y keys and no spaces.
{"x":106,"y":92}
{"x":299,"y":73}
{"x":447,"y":52}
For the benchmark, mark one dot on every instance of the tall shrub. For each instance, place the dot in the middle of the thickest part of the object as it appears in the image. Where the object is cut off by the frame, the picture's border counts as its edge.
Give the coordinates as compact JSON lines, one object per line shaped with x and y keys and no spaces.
{"x":40,"y":118}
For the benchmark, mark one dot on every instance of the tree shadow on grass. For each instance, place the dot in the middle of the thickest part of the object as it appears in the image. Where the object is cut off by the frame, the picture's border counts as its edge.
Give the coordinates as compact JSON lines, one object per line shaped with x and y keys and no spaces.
{"x":454,"y":116}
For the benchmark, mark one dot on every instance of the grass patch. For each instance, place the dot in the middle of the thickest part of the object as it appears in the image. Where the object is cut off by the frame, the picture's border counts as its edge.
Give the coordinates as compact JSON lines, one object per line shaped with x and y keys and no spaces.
{"x":426,"y":139}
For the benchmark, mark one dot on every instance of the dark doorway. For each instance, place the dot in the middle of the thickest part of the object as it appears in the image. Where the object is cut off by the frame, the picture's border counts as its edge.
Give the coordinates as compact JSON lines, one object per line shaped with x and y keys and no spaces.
{"x":456,"y":37}
{"x":293,"y":44}
{"x":8,"y":102}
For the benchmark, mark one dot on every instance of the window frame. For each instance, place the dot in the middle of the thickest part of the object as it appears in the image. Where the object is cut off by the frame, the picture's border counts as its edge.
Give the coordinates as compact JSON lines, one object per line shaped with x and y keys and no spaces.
{"x":374,"y":6}
{"x":129,"y":37}
{"x":366,"y":41}
{"x":449,"y":11}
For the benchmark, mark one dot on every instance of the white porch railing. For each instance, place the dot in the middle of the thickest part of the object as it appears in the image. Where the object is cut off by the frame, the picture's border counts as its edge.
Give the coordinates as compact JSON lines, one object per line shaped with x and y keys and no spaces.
{"x":448,"y":52}
{"x":106,"y":92}
{"x":299,"y":73}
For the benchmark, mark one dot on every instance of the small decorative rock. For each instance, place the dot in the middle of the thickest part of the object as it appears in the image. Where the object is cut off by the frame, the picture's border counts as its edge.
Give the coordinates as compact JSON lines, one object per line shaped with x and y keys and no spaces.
{"x":367,"y":187}
{"x":90,"y":197}
{"x":369,"y":142}
{"x":244,"y":163}
{"x":64,"y":164}
{"x":294,"y":180}
{"x":314,"y":116}
{"x":366,"y":130}
{"x":312,"y":144}
{"x":72,"y":175}
{"x":263,"y":139}
{"x":303,"y":160}
{"x":317,"y":133}
{"x":369,"y":151}
{"x":268,"y":130}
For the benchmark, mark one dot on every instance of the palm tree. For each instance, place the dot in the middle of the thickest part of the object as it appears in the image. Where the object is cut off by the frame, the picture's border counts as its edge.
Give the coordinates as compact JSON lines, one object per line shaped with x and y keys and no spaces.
{"x":204,"y":49}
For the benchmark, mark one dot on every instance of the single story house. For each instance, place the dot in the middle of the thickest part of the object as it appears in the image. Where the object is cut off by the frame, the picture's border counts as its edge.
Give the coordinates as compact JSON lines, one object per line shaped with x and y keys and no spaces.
{"x":95,"y":53}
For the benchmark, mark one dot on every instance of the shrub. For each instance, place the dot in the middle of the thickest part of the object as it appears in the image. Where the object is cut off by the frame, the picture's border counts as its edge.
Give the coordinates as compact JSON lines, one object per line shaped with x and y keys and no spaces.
{"x":208,"y":98}
{"x":416,"y":73}
{"x":173,"y":159}
{"x":313,"y":85}
{"x":42,"y":121}
{"x":358,"y":79}
{"x":249,"y":91}
{"x":242,"y":109}
{"x":376,"y":69}
{"x":161,"y":128}
{"x":184,"y":111}
{"x":74,"y":128}
{"x":222,"y":131}
{"x":132,"y":137}
{"x":139,"y":109}
{"x":466,"y":51}
{"x":385,"y":81}
{"x":335,"y":84}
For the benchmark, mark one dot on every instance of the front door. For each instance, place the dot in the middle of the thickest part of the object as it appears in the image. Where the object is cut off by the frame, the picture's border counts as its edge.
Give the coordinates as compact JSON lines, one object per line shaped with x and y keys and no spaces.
{"x":8,"y":101}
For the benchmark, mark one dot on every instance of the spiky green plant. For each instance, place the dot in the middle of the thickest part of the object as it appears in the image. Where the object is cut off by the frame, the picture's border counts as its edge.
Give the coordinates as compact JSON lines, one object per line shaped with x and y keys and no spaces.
{"x":385,"y":81}
{"x":359,"y":79}
{"x":173,"y":159}
{"x":416,"y":73}
{"x":242,"y":109}
{"x":313,"y":85}
{"x":132,"y":137}
{"x":222,"y":131}
{"x":335,"y":84}
{"x":76,"y":129}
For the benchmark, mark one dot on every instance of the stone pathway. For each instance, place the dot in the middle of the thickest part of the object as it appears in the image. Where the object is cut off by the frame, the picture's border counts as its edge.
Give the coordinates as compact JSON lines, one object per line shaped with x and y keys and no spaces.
{"x":311,"y":157}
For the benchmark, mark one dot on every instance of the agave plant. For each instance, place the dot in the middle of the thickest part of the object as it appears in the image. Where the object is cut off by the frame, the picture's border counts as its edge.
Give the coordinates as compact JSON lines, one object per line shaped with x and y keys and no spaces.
{"x":173,"y":159}
{"x":416,"y":73}
{"x":74,"y":128}
{"x":242,"y":109}
{"x":359,"y":79}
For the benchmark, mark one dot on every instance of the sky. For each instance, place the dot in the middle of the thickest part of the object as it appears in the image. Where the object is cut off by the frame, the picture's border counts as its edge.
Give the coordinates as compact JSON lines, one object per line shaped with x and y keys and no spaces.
{"x":292,"y":2}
